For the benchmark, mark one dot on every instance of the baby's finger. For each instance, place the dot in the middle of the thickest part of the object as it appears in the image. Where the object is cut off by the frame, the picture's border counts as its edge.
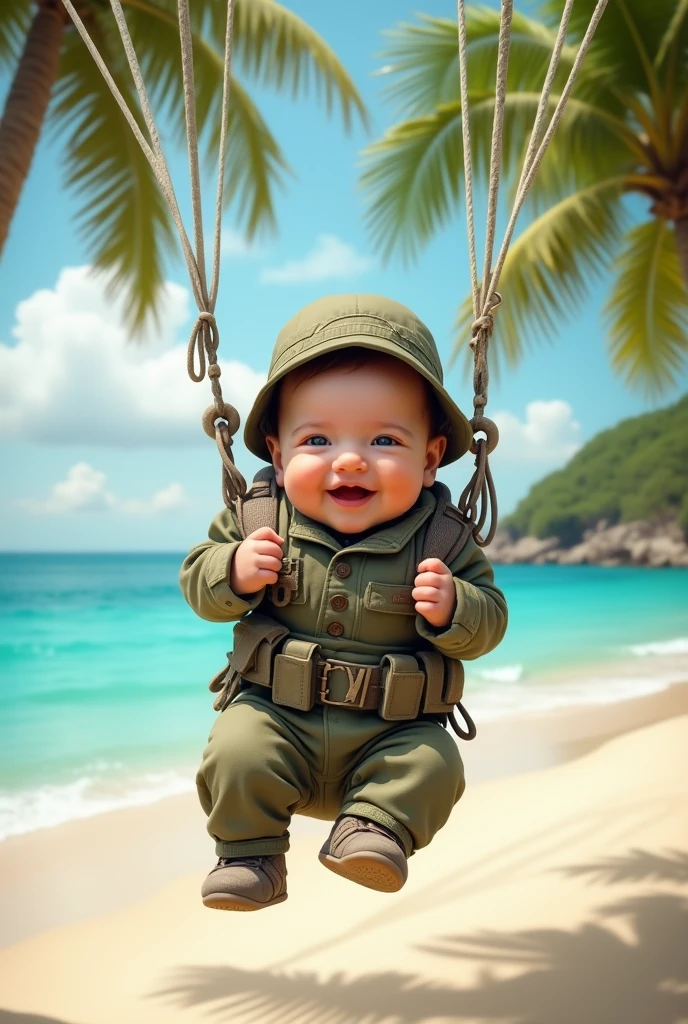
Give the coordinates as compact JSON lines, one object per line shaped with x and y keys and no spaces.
{"x":426,"y":608}
{"x":265,"y":533}
{"x":269,"y":562}
{"x":428,"y":579}
{"x":267,"y":547}
{"x":425,"y":594}
{"x":267,"y":575}
{"x":434,"y":565}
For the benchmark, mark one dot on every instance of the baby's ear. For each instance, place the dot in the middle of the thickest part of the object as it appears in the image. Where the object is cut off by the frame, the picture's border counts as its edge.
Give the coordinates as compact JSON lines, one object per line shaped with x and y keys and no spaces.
{"x":433,"y":456}
{"x":272,"y":441}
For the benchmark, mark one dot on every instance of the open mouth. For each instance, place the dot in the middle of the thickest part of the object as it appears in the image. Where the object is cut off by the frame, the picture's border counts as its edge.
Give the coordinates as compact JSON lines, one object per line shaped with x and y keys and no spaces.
{"x":350,"y":496}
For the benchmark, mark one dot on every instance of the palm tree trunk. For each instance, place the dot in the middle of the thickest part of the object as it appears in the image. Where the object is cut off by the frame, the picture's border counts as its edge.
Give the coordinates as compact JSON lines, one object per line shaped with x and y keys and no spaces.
{"x":681,"y":233}
{"x":26,"y":105}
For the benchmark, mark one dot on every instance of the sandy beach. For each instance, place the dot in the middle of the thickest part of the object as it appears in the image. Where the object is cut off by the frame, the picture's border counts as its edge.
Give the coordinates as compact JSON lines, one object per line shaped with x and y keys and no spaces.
{"x":556,"y":894}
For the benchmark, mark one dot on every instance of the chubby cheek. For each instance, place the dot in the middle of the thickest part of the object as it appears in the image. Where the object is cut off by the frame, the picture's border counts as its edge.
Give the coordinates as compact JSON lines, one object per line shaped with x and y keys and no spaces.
{"x":400,"y":479}
{"x":304,"y":479}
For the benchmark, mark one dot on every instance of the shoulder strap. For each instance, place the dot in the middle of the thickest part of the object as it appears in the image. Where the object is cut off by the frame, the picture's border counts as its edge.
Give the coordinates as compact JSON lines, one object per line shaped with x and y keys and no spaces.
{"x":258,"y":507}
{"x":447,"y":531}
{"x":446,"y":535}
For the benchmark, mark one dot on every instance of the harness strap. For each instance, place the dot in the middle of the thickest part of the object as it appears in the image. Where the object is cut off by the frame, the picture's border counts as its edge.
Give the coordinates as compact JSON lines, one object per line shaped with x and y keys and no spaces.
{"x":447,"y":531}
{"x":259,"y":506}
{"x":446,"y":535}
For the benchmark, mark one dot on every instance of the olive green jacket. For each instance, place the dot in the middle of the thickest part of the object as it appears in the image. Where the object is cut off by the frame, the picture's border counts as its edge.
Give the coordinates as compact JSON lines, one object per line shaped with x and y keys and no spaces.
{"x":354,"y":601}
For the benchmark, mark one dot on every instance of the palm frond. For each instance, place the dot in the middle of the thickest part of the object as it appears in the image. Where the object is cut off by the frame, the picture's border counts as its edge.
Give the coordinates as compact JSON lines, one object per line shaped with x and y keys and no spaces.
{"x":277,"y":48}
{"x":676,"y":33}
{"x":549,"y":268}
{"x":413,"y":180}
{"x":15,"y":17}
{"x":628,"y":38}
{"x":421,"y":66}
{"x":270,"y":43}
{"x":122,"y":215}
{"x":413,"y":175}
{"x":590,"y":144}
{"x":255,"y":165}
{"x":647,"y":311}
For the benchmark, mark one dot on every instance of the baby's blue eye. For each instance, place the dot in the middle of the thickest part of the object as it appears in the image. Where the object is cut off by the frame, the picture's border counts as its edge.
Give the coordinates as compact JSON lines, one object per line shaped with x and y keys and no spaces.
{"x":385,"y":441}
{"x":316,"y":441}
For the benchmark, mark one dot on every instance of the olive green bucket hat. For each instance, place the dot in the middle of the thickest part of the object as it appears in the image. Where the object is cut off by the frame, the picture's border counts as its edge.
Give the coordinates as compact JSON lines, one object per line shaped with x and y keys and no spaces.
{"x":367,"y":321}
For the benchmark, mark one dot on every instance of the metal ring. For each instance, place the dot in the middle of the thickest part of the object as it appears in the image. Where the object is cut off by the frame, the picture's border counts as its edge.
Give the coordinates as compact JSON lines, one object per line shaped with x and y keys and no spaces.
{"x":465,"y":734}
{"x":223,"y":412}
{"x":491,"y":431}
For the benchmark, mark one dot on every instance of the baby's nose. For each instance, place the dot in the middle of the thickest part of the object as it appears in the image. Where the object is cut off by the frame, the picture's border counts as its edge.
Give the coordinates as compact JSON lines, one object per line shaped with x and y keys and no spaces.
{"x":349,"y":460}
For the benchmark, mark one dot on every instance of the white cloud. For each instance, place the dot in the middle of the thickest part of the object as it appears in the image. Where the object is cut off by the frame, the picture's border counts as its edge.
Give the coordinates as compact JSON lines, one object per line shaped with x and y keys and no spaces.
{"x":233,"y":243}
{"x":74,"y":376}
{"x":85,"y":490}
{"x":329,"y":258}
{"x":549,"y":434}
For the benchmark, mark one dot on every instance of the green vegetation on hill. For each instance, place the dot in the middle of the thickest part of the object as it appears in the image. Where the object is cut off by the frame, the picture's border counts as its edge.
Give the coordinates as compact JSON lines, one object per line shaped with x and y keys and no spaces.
{"x":636,"y":470}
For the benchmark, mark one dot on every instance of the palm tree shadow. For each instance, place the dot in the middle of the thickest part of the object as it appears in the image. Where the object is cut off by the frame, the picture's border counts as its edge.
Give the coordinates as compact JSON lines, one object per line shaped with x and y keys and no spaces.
{"x":14,"y":1017}
{"x":590,"y":974}
{"x":533,"y":976}
{"x":635,"y":866}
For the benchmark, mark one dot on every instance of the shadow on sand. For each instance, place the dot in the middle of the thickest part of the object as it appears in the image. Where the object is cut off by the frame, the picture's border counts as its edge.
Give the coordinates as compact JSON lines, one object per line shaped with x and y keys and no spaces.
{"x":12,"y":1017}
{"x":534,"y":976}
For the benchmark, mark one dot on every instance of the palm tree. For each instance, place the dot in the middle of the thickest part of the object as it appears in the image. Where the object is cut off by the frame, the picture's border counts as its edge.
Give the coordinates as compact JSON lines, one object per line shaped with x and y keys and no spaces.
{"x":122,"y":215}
{"x":625,"y":133}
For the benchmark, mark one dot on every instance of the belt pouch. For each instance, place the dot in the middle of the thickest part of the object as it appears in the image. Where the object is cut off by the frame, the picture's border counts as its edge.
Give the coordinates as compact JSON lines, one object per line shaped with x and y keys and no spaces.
{"x":255,"y":640}
{"x":402,"y":687}
{"x":444,"y":682}
{"x":293,"y":681}
{"x":454,"y":677}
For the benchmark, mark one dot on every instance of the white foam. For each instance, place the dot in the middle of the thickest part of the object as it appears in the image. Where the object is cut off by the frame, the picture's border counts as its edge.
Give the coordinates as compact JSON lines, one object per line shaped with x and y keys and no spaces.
{"x":506,"y":674}
{"x":46,"y":806}
{"x":677,"y":646}
{"x":501,"y":702}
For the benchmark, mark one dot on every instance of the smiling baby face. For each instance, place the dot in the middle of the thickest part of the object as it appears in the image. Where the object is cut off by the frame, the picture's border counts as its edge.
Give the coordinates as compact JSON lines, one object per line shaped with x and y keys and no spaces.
{"x":354,"y":443}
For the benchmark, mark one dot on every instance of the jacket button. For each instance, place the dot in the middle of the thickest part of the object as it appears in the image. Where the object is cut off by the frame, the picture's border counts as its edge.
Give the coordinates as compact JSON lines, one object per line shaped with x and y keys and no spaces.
{"x":335,"y":629}
{"x":339,"y":602}
{"x":342,"y":570}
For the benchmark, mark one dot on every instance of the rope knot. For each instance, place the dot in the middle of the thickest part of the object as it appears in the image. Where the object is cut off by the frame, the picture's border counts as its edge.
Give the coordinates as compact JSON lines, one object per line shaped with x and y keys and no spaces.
{"x":482,"y":323}
{"x":203,"y":345}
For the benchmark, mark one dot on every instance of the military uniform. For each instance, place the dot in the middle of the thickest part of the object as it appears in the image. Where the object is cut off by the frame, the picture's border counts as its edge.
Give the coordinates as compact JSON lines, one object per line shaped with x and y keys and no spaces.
{"x":266,"y":760}
{"x":336,"y":694}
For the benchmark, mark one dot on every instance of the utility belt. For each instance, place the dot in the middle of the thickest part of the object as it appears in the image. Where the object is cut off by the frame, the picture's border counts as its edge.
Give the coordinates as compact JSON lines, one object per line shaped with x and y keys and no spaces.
{"x":400,"y":688}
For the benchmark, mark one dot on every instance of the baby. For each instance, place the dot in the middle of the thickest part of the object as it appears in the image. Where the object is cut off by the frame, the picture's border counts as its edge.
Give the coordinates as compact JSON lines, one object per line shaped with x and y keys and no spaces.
{"x":347,"y":655}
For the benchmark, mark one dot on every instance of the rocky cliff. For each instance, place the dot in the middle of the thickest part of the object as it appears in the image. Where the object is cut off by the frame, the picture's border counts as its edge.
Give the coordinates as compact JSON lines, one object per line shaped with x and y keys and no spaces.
{"x":639,"y":543}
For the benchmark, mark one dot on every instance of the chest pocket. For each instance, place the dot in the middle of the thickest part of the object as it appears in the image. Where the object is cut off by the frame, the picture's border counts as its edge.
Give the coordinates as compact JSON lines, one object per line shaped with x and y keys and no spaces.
{"x":388,"y":619}
{"x":387,"y":597}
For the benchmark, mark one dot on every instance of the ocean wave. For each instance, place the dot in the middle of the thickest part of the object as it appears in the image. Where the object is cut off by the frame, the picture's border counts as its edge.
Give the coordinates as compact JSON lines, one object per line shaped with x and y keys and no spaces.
{"x":46,"y":806}
{"x":677,"y":646}
{"x":502,"y":702}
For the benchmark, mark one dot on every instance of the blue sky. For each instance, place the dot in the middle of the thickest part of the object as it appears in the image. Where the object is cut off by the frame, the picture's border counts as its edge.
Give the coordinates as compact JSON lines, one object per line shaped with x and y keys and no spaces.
{"x":94,"y":472}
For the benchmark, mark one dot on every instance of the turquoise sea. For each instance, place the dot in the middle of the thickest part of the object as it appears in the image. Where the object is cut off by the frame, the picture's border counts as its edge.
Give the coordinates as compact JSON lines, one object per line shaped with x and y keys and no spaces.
{"x":103,"y":669}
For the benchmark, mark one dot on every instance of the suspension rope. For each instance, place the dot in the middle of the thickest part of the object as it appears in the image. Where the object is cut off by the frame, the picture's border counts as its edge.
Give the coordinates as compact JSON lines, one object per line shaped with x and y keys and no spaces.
{"x":221,"y":420}
{"x":479,"y":495}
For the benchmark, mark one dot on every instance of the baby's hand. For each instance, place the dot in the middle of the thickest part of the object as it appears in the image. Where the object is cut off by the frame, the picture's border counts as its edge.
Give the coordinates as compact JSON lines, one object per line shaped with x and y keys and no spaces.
{"x":434,"y":592}
{"x":256,"y":562}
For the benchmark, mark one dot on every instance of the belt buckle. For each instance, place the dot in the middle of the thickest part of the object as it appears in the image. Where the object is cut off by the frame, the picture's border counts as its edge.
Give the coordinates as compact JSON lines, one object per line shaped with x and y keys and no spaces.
{"x":358,"y":684}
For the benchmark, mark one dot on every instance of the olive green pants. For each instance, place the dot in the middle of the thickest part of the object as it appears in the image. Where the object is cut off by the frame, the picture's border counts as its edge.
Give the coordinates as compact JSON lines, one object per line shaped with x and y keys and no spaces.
{"x":265,"y":762}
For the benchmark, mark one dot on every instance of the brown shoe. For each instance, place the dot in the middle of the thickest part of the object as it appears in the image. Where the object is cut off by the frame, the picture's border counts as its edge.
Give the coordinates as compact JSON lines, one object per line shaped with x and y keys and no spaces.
{"x":246,"y":883}
{"x":365,"y":852}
